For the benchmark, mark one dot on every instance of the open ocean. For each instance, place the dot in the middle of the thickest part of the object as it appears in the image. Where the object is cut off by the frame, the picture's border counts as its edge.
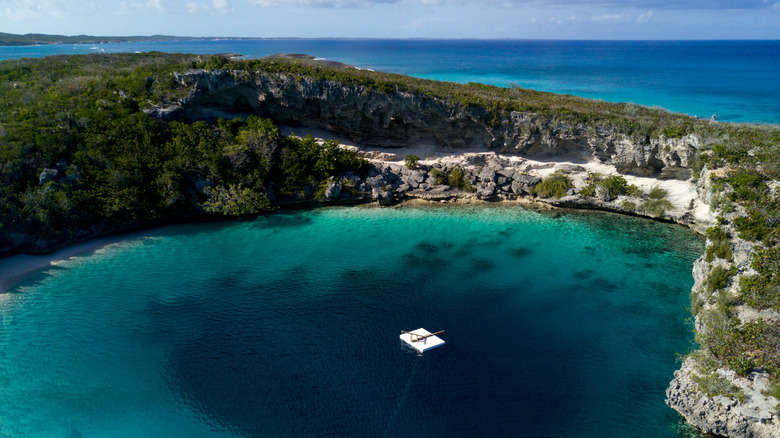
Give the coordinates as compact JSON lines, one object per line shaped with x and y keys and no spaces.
{"x":737,"y":81}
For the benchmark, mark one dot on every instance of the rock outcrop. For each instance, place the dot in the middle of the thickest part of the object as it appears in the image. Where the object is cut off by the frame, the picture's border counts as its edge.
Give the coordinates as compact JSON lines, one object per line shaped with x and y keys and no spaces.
{"x":720,"y":415}
{"x":397,"y":120}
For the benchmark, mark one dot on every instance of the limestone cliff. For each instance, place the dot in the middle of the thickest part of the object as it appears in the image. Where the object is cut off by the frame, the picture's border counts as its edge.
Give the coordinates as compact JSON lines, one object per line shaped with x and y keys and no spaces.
{"x":398,"y":119}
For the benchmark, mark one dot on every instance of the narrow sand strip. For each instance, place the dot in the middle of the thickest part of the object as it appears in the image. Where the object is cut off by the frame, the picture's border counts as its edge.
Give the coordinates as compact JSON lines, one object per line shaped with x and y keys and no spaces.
{"x":13,"y":269}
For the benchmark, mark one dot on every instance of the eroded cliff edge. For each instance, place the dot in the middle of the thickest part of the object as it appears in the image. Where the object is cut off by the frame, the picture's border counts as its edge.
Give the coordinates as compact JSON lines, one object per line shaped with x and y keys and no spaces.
{"x":729,"y":391}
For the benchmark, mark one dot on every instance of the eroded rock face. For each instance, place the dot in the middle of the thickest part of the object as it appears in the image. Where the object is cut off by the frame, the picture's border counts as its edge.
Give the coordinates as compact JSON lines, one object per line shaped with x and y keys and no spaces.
{"x":396,"y":119}
{"x":724,"y":416}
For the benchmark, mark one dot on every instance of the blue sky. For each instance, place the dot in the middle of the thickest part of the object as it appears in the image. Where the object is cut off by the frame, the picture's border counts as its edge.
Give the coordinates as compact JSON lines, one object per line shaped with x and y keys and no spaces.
{"x":529,"y":19}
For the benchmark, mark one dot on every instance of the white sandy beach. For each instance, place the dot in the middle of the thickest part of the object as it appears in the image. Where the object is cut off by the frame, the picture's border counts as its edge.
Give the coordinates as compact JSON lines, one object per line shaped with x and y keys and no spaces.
{"x":15,"y":268}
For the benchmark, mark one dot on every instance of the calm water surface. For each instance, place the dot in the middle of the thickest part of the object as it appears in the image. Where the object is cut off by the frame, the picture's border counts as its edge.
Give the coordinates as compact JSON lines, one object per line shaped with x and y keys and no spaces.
{"x":287,"y":325}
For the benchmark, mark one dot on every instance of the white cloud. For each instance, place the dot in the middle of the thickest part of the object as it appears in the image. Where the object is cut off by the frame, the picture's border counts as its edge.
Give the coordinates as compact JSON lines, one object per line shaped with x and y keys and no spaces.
{"x":644,"y":18}
{"x":222,"y":5}
{"x":33,"y":10}
{"x":610,"y":17}
{"x":320,"y":3}
{"x":135,"y":7}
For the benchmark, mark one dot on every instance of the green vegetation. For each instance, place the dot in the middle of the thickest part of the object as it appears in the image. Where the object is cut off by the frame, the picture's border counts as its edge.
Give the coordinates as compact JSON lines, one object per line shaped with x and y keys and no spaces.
{"x":555,"y":185}
{"x":441,"y":178}
{"x":712,"y":384}
{"x":455,"y":178}
{"x":719,"y":277}
{"x":720,"y":245}
{"x":9,"y":39}
{"x":763,"y":289}
{"x":610,"y":187}
{"x":411,"y":161}
{"x":79,"y":157}
{"x":657,"y":193}
{"x":656,"y":207}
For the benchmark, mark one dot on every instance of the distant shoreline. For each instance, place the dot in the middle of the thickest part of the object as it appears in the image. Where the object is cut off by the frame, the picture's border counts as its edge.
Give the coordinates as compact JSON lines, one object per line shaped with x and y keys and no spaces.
{"x":30,"y":39}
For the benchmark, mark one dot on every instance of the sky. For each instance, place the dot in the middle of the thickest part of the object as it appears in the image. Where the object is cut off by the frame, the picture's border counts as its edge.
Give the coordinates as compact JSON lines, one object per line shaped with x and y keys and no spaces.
{"x":521,"y":19}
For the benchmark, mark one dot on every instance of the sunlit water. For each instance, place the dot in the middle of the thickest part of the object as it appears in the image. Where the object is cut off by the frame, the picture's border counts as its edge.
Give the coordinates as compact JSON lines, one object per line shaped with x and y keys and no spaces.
{"x":738,"y":81}
{"x":287,"y":325}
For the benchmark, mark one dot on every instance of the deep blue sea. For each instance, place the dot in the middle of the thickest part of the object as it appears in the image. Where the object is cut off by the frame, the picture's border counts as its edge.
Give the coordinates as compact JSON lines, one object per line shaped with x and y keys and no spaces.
{"x":561,"y":324}
{"x":738,"y":81}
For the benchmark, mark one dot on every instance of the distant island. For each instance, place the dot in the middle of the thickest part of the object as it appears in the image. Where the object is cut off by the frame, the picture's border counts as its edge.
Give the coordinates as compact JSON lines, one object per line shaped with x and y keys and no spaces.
{"x":30,"y":39}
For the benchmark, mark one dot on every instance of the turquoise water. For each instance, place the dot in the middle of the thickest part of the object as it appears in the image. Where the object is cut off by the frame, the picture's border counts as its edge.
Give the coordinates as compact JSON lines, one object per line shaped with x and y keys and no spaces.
{"x":557,"y":325}
{"x":738,"y":81}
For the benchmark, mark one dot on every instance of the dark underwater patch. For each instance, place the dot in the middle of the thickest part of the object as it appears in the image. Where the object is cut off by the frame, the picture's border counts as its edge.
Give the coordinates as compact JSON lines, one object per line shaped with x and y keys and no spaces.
{"x":584,"y":274}
{"x":520,"y":252}
{"x":481,"y":264}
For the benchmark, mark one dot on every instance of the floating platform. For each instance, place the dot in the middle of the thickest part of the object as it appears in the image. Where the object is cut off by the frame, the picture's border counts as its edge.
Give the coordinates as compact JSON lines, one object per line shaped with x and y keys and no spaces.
{"x":422,"y":340}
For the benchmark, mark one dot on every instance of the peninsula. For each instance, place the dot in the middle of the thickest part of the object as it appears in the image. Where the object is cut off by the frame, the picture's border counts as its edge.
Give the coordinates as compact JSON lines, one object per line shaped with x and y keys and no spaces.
{"x":29,"y":39}
{"x":99,"y":143}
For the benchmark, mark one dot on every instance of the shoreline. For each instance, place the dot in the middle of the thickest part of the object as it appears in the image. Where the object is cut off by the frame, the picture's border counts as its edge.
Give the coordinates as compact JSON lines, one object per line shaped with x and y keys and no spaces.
{"x":15,"y":268}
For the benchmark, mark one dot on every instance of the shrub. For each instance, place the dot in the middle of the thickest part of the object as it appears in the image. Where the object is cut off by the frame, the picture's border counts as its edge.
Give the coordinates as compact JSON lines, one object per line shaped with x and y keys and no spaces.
{"x":763,"y":289}
{"x":411,"y":161}
{"x":235,"y":201}
{"x":555,"y":185}
{"x":656,"y":207}
{"x":588,"y":191}
{"x":719,"y":277}
{"x":657,"y":193}
{"x":720,"y":249}
{"x":457,"y":178}
{"x":720,"y":244}
{"x":713,"y":385}
{"x":441,"y":178}
{"x":614,"y":185}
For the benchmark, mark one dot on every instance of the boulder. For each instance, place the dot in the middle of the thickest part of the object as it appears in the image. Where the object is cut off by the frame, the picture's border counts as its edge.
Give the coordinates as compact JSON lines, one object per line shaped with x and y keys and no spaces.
{"x":47,"y":175}
{"x":333,"y":189}
{"x":485,"y":191}
{"x":487,"y":175}
{"x":382,"y":196}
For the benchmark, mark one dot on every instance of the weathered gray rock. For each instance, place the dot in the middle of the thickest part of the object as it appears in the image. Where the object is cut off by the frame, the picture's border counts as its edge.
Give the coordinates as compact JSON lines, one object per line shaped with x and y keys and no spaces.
{"x":486,"y":191}
{"x":333,"y":189}
{"x":487,"y":175}
{"x":398,"y":119}
{"x":382,"y":196}
{"x":47,"y":175}
{"x":73,"y":177}
{"x":721,"y":415}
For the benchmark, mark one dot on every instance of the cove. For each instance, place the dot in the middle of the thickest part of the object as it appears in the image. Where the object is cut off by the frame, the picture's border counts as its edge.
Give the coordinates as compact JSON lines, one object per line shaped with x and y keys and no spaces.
{"x":561,"y":324}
